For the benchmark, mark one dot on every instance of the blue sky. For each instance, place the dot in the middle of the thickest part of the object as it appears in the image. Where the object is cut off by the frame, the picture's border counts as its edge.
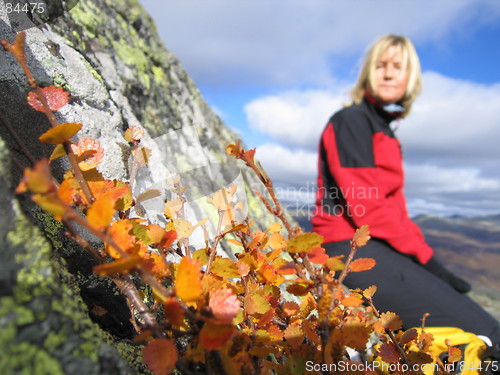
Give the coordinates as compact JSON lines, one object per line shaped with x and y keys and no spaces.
{"x":276,"y":70}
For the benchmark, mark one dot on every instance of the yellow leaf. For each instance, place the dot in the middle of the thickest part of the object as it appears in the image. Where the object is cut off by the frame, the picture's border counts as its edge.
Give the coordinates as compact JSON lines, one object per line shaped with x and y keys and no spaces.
{"x":134,"y":133}
{"x":225,"y":267}
{"x":183,"y":228}
{"x":188,"y":281}
{"x":60,"y":133}
{"x":51,"y":203}
{"x":304,"y":242}
{"x":172,"y":208}
{"x":148,"y":194}
{"x":370,"y":291}
{"x":58,"y":152}
{"x":201,"y":255}
{"x":256,"y":302}
{"x":222,"y":198}
{"x":141,"y":156}
{"x":274,"y":228}
{"x":335,"y":263}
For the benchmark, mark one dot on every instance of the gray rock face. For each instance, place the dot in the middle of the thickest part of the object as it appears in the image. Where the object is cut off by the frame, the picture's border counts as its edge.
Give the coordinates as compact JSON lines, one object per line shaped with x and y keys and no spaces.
{"x":107,"y":54}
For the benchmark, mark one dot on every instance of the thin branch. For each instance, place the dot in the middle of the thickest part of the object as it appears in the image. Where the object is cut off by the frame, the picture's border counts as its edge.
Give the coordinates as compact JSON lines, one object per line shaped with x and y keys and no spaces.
{"x":5,"y":121}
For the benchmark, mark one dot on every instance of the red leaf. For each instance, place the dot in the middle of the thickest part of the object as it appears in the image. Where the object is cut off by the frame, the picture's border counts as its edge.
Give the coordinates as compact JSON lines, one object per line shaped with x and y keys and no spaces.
{"x":160,"y":356}
{"x":56,"y":98}
{"x":224,"y":304}
{"x":389,"y":353}
{"x":89,"y":153}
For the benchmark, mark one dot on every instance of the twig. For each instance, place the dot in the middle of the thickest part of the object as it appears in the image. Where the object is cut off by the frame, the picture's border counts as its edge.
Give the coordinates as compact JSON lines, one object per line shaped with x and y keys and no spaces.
{"x":5,"y":121}
{"x":400,"y":350}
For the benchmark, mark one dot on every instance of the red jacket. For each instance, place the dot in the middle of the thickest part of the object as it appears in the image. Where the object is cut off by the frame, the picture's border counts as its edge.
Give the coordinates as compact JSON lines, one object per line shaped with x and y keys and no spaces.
{"x":360,"y":181}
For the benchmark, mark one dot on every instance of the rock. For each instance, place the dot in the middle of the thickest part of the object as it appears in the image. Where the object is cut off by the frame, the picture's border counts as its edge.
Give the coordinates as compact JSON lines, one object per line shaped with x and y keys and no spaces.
{"x":108,"y":55}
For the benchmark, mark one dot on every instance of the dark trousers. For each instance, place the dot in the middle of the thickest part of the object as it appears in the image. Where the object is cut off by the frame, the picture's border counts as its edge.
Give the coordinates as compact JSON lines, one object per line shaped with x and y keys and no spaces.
{"x":409,"y":290}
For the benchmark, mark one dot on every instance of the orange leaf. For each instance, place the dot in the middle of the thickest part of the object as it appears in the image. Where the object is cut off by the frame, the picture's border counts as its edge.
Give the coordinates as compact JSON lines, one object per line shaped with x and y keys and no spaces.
{"x":298,"y":289}
{"x":213,"y":336}
{"x":123,"y":266}
{"x":293,"y":335}
{"x":361,"y":236}
{"x":389,"y":353}
{"x":188,"y":280}
{"x":317,"y":255}
{"x":288,"y":268}
{"x":224,"y":304}
{"x":454,"y":354}
{"x":56,"y":98}
{"x":68,"y":190}
{"x":160,"y":237}
{"x":309,"y":326}
{"x":266,"y":318}
{"x":390,"y":321}
{"x":351,"y":301}
{"x":89,"y":153}
{"x":290,"y":308}
{"x":362,"y":264}
{"x":356,"y":335}
{"x":18,"y":48}
{"x":120,"y":232}
{"x":60,"y":133}
{"x":102,"y":210}
{"x":277,"y":241}
{"x":160,"y":355}
{"x":304,"y":242}
{"x":37,"y":180}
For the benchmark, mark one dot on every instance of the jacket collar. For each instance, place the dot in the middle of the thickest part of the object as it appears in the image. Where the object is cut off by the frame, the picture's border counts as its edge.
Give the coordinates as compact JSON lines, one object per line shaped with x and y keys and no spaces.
{"x":379,"y":109}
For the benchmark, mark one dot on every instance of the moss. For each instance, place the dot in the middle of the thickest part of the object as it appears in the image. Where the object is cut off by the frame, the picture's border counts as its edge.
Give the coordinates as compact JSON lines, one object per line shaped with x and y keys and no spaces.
{"x":60,"y":81}
{"x":158,"y":74}
{"x":55,"y":339}
{"x":87,"y":15}
{"x":26,"y":358}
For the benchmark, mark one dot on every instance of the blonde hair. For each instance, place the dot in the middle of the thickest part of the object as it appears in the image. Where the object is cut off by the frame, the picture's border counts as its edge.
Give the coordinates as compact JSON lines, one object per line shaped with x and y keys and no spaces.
{"x":410,"y":60}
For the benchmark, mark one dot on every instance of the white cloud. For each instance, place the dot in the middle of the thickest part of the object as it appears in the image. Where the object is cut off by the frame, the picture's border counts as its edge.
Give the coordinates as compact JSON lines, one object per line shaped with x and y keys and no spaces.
{"x":428,"y":179}
{"x":292,"y":41}
{"x":294,"y":118}
{"x":289,"y":166}
{"x":454,"y":120}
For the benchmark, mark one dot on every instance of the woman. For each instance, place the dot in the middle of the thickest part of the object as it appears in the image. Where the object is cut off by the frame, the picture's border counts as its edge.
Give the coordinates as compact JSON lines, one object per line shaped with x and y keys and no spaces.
{"x":360,"y":182}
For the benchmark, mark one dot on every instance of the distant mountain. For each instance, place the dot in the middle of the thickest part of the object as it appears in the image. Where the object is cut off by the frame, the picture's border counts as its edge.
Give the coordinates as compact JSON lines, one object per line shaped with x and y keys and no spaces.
{"x":470,"y":247}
